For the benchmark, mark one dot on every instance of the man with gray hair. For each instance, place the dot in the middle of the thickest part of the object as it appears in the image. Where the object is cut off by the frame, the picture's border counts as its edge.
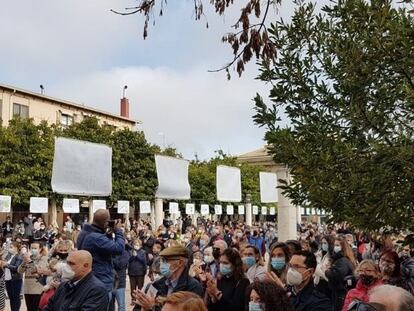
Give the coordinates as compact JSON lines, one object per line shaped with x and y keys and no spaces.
{"x":392,"y":297}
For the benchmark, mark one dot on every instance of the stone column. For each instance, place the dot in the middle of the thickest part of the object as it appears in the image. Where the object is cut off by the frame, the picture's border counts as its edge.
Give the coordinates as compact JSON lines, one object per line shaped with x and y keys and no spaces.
{"x":286,"y":216}
{"x":298,"y":215}
{"x":53,"y":213}
{"x":248,"y":212}
{"x":159,"y":213}
{"x":90,"y":211}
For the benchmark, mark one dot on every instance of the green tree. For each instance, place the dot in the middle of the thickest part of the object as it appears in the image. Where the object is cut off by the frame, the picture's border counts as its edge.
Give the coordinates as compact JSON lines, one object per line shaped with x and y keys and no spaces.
{"x":344,"y":79}
{"x":26,"y":154}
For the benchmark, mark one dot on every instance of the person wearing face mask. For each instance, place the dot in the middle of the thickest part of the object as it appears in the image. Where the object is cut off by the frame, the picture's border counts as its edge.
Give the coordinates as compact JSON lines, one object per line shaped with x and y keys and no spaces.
{"x":228,"y":292}
{"x":253,"y":264}
{"x":369,"y":278}
{"x":277,"y":267}
{"x":264,"y":296}
{"x":324,"y":260}
{"x":343,"y":265}
{"x":40,"y":235}
{"x":102,"y":246}
{"x":257,"y":240}
{"x":214,"y":266}
{"x":137,"y":266}
{"x":175,"y":278}
{"x":303,"y":294}
{"x":203,"y":241}
{"x":34,"y":262}
{"x":83,"y":290}
{"x":154,"y":257}
{"x":13,"y":278}
{"x":389,"y":265}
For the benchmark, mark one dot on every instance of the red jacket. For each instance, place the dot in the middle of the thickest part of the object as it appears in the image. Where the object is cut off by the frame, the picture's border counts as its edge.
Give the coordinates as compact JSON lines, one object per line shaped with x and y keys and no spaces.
{"x":360,"y":292}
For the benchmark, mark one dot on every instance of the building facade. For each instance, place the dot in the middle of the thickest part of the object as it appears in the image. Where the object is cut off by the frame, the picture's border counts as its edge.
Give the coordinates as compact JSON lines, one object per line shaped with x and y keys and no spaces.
{"x":27,"y":104}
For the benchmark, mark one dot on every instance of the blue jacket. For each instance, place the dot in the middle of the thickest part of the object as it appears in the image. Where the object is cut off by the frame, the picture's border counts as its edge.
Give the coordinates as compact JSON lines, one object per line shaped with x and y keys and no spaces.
{"x":94,"y":240}
{"x":258,"y":242}
{"x":120,"y":266}
{"x":137,"y":264}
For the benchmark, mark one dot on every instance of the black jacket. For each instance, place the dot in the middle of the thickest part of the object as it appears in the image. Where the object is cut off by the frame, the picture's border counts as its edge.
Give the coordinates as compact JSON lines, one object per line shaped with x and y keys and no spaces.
{"x":185,"y":283}
{"x":137,"y":265}
{"x":88,"y":295}
{"x":340,"y":268}
{"x":234,"y":295}
{"x":309,"y":299}
{"x":14,"y":265}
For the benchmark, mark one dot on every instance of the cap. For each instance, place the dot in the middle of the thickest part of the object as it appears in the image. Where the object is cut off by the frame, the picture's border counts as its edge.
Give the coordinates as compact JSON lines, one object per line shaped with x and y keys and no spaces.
{"x":176,"y":250}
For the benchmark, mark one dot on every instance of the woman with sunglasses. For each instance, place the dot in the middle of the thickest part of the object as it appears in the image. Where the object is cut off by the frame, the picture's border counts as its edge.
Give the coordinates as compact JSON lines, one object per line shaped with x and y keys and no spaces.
{"x":369,"y":277}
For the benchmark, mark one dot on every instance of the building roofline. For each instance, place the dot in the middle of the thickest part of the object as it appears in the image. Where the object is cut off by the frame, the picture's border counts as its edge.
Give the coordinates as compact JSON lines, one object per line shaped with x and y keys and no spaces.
{"x":67,"y":103}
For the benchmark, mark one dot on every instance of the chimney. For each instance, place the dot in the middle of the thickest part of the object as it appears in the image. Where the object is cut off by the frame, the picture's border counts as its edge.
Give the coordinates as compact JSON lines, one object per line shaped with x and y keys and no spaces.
{"x":125,"y":107}
{"x":124,"y":104}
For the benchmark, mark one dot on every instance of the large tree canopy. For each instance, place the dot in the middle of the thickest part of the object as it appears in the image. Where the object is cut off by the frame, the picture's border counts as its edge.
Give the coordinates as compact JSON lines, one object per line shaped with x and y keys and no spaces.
{"x":344,"y":78}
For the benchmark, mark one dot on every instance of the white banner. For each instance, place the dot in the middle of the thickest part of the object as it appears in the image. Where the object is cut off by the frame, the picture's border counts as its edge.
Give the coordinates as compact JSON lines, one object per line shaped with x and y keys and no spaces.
{"x":218,"y":209}
{"x":98,"y":204}
{"x":264,"y":210}
{"x":302,"y":211}
{"x":205,"y":209}
{"x":268,"y":190}
{"x":228,"y":184}
{"x":190,"y":208}
{"x":229,"y":210}
{"x":174,"y":208}
{"x":39,"y":205}
{"x":5,"y":204}
{"x":272,"y":210}
{"x":255,"y":210}
{"x":241,"y":209}
{"x":144,"y":207}
{"x":71,"y":206}
{"x":172,"y":177}
{"x":82,"y":168}
{"x":123,"y":207}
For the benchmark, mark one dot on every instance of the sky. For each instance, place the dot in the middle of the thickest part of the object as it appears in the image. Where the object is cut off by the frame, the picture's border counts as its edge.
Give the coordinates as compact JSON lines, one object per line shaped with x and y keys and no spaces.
{"x":82,"y":52}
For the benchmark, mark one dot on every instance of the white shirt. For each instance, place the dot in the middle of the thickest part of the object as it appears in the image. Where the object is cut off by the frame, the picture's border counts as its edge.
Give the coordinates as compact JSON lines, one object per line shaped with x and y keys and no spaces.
{"x":7,"y":272}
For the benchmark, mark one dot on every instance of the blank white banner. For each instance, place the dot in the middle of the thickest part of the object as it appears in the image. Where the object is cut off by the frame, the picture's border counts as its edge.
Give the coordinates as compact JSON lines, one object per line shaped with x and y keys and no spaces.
{"x":228,"y":184}
{"x":39,"y":205}
{"x":174,"y":208}
{"x":255,"y":210}
{"x":5,"y":204}
{"x":123,"y":207}
{"x":272,"y":210}
{"x":268,"y":190}
{"x":82,"y":168}
{"x":241,"y":209}
{"x":264,"y":210}
{"x":98,"y":204}
{"x":190,"y":209}
{"x":71,"y":206}
{"x":172,"y":176}
{"x":218,"y":209}
{"x":144,"y":207}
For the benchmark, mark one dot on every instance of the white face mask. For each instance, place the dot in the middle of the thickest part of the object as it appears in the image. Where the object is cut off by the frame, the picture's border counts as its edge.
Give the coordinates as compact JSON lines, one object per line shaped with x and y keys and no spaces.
{"x":294,"y":277}
{"x":67,"y":272}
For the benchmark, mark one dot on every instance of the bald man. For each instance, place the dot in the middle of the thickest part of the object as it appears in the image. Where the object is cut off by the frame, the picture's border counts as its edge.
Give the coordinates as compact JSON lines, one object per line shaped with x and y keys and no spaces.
{"x":102,"y":246}
{"x":84,"y":291}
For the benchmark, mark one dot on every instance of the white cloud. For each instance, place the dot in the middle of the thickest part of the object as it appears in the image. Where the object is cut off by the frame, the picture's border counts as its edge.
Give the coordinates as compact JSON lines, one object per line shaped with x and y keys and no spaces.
{"x":198,"y":112}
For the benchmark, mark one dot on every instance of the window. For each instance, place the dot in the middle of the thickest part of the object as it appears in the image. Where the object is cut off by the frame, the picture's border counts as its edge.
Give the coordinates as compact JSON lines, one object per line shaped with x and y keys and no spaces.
{"x":66,"y":120}
{"x":20,"y":110}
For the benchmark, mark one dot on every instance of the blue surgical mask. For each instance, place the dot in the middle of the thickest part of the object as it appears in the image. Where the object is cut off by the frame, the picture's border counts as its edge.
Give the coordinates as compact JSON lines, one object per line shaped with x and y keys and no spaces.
{"x":278,"y":263}
{"x":249,"y":261}
{"x":225,"y":269}
{"x":255,"y":306}
{"x":324,"y":247}
{"x":202,"y":243}
{"x":337,"y":249}
{"x":165,"y":269}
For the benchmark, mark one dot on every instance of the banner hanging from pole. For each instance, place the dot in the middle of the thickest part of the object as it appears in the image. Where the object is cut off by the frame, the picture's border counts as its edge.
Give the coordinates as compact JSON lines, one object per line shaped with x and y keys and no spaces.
{"x":70,"y":206}
{"x":228,"y":184}
{"x":39,"y":205}
{"x":268,"y":187}
{"x":5,"y":204}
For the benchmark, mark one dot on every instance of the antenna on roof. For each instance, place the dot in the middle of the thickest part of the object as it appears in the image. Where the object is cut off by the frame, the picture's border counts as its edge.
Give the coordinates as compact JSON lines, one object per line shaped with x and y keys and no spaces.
{"x":42,"y":89}
{"x":124,"y":90}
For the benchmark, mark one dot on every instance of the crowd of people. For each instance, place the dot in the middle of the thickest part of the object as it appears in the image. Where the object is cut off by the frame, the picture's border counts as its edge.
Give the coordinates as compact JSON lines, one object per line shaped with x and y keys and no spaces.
{"x":214,"y":266}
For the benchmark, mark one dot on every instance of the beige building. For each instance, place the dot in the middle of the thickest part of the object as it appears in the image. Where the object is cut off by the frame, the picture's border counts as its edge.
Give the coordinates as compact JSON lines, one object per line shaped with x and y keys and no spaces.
{"x":27,"y":104}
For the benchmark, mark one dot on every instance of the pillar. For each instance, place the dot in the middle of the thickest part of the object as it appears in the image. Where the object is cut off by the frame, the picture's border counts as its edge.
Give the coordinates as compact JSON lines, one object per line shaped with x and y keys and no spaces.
{"x":248,"y":212}
{"x":158,"y":212}
{"x":90,"y":212}
{"x":53,"y":213}
{"x":298,"y":215}
{"x":287,"y":214}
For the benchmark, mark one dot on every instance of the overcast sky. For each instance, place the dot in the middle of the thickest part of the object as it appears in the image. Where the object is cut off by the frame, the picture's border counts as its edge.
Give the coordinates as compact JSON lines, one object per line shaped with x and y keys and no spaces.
{"x":80,"y":51}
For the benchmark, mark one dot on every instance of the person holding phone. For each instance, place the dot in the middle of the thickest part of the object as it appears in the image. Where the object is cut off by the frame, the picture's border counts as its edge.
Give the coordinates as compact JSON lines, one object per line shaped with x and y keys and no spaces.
{"x":103,"y":240}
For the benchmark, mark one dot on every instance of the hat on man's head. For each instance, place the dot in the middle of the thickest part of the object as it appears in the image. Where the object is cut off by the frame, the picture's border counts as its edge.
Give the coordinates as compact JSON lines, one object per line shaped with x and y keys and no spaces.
{"x":175,"y":250}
